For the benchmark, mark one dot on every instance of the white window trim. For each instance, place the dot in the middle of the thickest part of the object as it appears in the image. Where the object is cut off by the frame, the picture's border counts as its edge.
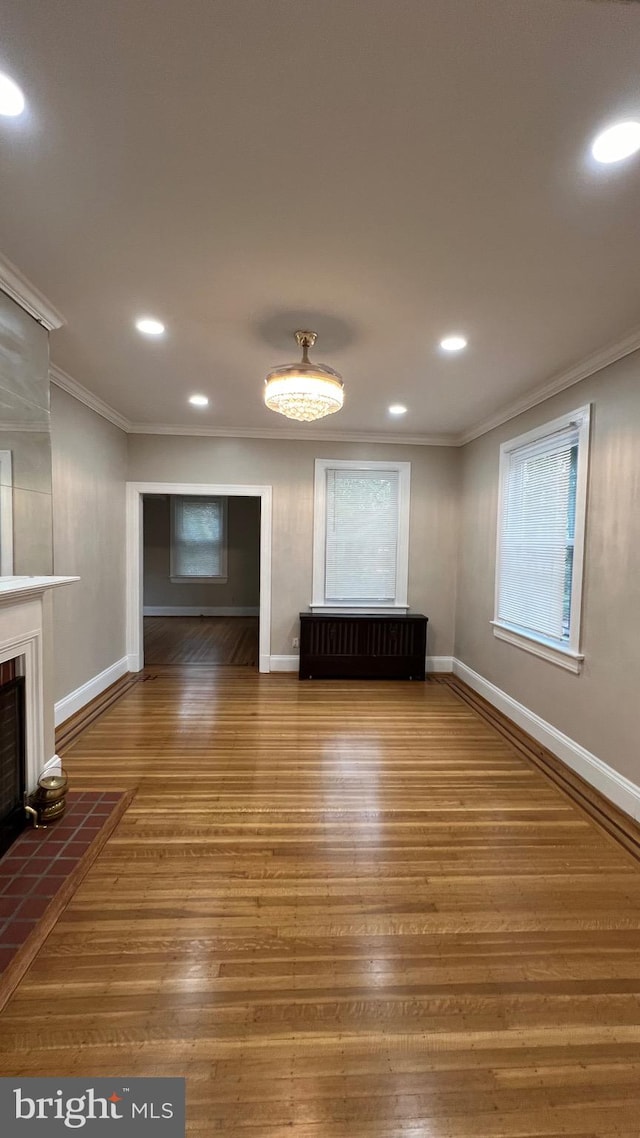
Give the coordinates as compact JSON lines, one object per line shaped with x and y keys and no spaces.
{"x":318,"y":603}
{"x":566,"y":656}
{"x":221,"y":578}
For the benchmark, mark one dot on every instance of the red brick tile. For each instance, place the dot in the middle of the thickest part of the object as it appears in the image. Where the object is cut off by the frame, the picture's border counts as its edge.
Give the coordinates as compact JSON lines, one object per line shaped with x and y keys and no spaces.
{"x":50,"y":884}
{"x":34,"y":906}
{"x":64,"y":865}
{"x":9,"y":866}
{"x":8,"y":906}
{"x":19,"y":887}
{"x":17,"y":931}
{"x":78,"y":846}
{"x":37,"y":865}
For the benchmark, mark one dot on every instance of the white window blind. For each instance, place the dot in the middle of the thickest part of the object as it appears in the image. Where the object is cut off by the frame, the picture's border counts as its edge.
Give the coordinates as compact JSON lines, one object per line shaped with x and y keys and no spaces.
{"x":537,"y":535}
{"x":361,"y":552}
{"x":198,"y":539}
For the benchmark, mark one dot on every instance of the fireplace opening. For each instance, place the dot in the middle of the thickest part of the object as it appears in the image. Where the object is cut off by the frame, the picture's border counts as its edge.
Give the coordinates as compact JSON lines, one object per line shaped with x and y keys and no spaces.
{"x":12,"y":759}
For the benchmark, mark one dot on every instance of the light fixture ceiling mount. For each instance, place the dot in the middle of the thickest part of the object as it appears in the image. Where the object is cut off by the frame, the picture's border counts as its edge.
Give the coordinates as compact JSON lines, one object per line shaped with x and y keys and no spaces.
{"x":304,"y":391}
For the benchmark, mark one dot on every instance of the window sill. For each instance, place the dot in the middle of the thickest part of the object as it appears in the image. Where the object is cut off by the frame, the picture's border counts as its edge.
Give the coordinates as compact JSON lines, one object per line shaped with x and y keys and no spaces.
{"x":198,"y":580}
{"x":563,"y":657}
{"x":373,"y":610}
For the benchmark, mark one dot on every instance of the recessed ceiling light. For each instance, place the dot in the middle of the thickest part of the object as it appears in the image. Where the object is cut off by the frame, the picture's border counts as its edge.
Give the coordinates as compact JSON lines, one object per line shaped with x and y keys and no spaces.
{"x":453,"y":343}
{"x":397,"y":409}
{"x":199,"y":400}
{"x":11,"y":97}
{"x":618,"y":142}
{"x":149,"y":327}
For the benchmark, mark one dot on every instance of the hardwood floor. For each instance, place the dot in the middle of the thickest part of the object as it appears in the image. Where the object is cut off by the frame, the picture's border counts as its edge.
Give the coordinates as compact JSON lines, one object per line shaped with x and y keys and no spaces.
{"x":226,"y":640}
{"x":342,"y":910}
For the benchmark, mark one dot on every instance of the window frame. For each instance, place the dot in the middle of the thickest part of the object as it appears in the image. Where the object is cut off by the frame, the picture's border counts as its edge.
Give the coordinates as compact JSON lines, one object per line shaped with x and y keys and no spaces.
{"x":319,"y":602}
{"x":569,"y":655}
{"x":222,"y":577}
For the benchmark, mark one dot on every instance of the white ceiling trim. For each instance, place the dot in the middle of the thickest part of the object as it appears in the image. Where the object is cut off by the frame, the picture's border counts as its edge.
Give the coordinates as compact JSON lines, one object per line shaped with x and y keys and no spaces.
{"x":588,"y":366}
{"x":72,"y":387}
{"x":28,"y":296}
{"x":295,"y":436}
{"x":24,"y":428}
{"x":83,"y":395}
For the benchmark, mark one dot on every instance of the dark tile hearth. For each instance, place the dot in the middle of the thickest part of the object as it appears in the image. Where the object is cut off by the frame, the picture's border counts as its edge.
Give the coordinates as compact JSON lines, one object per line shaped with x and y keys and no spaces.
{"x":41,"y":871}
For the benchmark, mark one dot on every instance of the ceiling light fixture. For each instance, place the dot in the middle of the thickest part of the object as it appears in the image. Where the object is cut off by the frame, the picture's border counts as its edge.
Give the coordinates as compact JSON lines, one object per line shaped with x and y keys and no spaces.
{"x":11,"y":97}
{"x":199,"y":400}
{"x":150,"y":327}
{"x":453,"y":343}
{"x":617,"y":142}
{"x":304,"y":391}
{"x":397,"y":409}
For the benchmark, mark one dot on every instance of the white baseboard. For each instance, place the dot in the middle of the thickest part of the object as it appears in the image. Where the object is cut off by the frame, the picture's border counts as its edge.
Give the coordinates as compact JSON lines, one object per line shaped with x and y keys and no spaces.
{"x":54,"y":765}
{"x":292,"y":663}
{"x":201,"y":610}
{"x":284,"y":663}
{"x":618,"y":789}
{"x":77,"y":699}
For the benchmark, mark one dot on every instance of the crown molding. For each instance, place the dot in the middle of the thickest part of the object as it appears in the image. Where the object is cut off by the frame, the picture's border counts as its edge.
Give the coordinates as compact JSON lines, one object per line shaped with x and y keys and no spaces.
{"x":582,"y":370}
{"x":293,"y":435}
{"x":25,"y":428}
{"x":72,"y":387}
{"x":28,"y":296}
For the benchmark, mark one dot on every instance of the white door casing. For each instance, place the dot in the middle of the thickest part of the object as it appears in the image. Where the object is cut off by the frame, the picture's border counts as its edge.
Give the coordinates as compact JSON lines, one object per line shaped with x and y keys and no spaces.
{"x":134,"y":555}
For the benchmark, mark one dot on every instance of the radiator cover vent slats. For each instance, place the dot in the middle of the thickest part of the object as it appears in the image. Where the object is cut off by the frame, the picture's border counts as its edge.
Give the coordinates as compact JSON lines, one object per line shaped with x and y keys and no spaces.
{"x":362,"y":647}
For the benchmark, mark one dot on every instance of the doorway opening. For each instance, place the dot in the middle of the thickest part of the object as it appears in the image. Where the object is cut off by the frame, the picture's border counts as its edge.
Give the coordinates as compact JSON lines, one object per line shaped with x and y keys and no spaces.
{"x":201,"y":579}
{"x":212,"y":634}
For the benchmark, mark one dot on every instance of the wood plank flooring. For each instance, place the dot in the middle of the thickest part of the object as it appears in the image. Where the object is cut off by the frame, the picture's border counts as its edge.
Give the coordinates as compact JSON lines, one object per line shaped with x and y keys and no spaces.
{"x":342,"y":910}
{"x":221,"y":640}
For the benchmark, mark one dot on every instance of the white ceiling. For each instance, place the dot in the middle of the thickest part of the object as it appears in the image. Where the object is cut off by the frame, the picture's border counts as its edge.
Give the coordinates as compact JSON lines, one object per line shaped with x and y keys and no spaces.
{"x":384,"y":171}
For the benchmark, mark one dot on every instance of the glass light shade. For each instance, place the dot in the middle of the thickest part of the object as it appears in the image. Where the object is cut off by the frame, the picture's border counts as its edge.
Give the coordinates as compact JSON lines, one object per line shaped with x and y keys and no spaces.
{"x":304,"y":391}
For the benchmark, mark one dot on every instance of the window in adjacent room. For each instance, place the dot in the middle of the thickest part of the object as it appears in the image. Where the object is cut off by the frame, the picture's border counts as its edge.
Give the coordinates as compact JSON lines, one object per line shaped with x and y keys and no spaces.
{"x":541,"y":527}
{"x":361,"y":534}
{"x":198,"y":539}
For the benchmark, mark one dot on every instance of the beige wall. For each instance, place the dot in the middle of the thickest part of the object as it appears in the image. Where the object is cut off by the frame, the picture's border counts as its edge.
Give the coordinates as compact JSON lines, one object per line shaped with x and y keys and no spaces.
{"x":89,"y":472}
{"x":242,"y":586}
{"x":288,"y":467}
{"x":599,"y":707}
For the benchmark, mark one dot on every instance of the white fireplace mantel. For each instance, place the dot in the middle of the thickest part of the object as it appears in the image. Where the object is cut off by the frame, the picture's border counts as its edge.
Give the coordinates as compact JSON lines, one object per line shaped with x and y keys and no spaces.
{"x":26,"y":634}
{"x":20,"y":588}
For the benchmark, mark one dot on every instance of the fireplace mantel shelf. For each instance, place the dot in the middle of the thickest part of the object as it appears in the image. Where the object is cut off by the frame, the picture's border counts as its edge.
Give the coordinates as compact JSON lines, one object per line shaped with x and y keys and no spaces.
{"x":20,"y":588}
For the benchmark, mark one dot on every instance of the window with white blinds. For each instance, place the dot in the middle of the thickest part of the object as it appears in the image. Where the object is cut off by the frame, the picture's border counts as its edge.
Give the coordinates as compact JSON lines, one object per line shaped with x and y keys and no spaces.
{"x":361,"y":534}
{"x":198,"y":539}
{"x":541,"y":532}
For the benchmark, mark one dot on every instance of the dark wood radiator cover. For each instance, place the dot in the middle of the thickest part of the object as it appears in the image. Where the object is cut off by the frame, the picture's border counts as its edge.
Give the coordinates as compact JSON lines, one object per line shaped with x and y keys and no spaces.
{"x":385,"y":647}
